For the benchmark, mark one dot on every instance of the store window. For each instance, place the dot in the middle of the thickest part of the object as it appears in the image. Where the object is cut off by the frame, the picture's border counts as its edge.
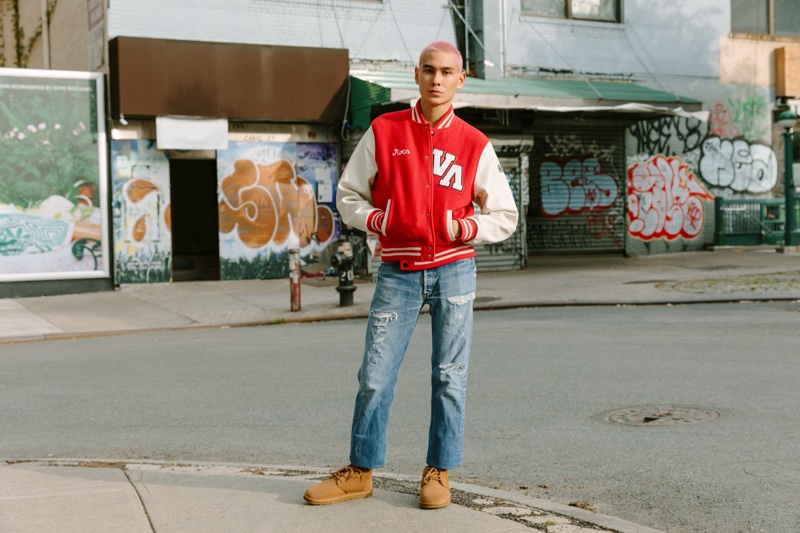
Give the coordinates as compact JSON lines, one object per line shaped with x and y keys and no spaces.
{"x":604,"y":10}
{"x":766,"y":17}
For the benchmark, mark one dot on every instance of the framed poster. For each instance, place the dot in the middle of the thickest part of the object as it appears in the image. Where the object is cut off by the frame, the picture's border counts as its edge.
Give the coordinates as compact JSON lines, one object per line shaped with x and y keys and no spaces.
{"x":53,"y":206}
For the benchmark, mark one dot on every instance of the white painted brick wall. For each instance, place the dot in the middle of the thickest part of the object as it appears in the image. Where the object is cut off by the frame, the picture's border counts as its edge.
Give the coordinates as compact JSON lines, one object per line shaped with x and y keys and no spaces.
{"x":669,"y":45}
{"x":669,"y":37}
{"x":390,"y":31}
{"x":657,"y":37}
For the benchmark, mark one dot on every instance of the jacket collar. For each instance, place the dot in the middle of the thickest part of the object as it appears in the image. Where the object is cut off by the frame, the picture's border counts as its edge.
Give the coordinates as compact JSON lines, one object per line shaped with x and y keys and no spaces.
{"x":444,"y":122}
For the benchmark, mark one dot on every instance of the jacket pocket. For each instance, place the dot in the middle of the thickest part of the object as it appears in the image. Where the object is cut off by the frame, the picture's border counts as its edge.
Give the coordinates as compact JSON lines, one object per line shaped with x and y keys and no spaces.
{"x":386,"y":214}
{"x":449,"y":222}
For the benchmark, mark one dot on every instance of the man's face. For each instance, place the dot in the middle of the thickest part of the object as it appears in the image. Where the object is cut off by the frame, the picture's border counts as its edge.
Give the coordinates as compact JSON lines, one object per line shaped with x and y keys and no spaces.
{"x":438,"y":78}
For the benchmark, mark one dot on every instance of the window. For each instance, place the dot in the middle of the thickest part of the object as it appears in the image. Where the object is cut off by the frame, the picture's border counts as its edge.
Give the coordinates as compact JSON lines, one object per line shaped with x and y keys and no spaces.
{"x":769,"y":17}
{"x":605,"y":10}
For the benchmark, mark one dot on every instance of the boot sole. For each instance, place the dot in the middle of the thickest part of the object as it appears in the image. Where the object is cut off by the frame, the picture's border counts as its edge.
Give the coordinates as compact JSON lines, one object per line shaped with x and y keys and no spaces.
{"x":433,"y":505}
{"x":351,"y":496}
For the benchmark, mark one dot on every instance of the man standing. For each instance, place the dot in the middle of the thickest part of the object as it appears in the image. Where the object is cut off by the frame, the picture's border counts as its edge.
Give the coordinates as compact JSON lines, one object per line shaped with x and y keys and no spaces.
{"x":413,"y":179}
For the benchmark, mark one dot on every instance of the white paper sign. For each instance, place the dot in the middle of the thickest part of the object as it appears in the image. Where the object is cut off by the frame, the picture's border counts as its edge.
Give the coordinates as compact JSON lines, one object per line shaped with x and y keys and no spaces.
{"x":186,"y":133}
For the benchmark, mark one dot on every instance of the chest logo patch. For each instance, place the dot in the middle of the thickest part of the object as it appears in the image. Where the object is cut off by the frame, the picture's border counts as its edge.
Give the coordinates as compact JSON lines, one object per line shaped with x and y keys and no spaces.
{"x":444,"y":166}
{"x":401,"y":151}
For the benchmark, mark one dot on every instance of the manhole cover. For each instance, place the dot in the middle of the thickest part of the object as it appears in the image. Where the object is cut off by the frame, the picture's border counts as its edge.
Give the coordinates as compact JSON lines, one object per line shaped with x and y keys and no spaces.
{"x":660,"y":415}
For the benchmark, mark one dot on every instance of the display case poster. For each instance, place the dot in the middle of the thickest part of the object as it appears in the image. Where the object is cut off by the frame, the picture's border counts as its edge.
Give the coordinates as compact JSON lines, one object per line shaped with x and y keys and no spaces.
{"x":274,"y":197}
{"x":141,"y":207}
{"x":53,"y":209}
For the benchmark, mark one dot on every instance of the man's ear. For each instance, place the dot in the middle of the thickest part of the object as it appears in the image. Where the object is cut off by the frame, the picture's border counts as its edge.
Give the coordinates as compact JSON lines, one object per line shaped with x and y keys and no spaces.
{"x":462,"y":77}
{"x":416,"y":75}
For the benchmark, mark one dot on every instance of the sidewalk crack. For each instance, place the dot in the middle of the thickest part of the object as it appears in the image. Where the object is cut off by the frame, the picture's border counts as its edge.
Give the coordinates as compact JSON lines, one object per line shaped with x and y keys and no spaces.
{"x":141,"y":501}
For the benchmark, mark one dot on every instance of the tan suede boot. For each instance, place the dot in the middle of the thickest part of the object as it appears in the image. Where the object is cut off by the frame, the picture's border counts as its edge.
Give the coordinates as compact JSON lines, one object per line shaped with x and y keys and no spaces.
{"x":434,"y":489}
{"x":347,"y":483}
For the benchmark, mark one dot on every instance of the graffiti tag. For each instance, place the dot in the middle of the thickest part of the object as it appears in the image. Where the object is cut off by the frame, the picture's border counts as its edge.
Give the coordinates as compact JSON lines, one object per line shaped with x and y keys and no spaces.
{"x":564,"y":146}
{"x":270,"y":204}
{"x":665,"y":200}
{"x":720,"y":122}
{"x":750,"y":114}
{"x":669,"y":135}
{"x":579,"y":185}
{"x":738,"y":165}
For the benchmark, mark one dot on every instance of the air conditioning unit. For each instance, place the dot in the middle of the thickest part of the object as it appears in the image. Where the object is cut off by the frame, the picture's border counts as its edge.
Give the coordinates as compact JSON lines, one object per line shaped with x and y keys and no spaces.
{"x":787,"y":72}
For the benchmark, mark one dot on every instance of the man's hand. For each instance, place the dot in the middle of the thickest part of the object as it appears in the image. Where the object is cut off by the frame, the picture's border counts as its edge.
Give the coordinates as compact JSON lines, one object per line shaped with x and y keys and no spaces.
{"x":456,"y":229}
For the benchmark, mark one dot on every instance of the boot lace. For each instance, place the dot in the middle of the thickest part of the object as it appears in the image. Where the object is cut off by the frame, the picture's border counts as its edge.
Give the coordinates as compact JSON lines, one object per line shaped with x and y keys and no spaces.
{"x":431,"y":475}
{"x":345,"y":473}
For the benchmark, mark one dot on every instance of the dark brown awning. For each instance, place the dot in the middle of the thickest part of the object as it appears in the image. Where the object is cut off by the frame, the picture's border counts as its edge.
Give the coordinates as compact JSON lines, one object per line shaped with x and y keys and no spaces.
{"x":157,"y":77}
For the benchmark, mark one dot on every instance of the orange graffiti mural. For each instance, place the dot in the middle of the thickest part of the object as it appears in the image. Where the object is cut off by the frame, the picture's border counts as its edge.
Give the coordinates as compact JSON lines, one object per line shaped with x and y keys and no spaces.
{"x":268,"y":203}
{"x":141,"y":198}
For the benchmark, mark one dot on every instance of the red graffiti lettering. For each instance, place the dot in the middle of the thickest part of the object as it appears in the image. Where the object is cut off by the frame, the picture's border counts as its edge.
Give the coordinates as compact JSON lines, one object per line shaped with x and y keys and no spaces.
{"x":665,"y":200}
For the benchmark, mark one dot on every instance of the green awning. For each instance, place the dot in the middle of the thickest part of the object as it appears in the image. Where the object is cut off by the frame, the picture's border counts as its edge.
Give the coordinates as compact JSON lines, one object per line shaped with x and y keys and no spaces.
{"x":369,"y":88}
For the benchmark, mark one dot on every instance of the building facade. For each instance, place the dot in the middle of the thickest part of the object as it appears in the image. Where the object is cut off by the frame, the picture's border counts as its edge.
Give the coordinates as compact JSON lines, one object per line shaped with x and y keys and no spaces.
{"x":618,"y":121}
{"x":596,"y":177}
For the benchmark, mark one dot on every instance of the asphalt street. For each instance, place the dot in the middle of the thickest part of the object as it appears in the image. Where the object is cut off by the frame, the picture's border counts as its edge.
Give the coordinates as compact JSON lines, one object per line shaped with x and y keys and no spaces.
{"x":283,"y":395}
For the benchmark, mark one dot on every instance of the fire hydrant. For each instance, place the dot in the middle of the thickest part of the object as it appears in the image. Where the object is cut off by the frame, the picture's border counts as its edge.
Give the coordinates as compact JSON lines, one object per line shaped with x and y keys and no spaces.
{"x":343,"y":263}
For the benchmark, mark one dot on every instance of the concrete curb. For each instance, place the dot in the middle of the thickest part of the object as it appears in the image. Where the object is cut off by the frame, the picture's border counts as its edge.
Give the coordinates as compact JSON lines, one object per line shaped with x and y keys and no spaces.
{"x":610,"y":522}
{"x":362,"y":315}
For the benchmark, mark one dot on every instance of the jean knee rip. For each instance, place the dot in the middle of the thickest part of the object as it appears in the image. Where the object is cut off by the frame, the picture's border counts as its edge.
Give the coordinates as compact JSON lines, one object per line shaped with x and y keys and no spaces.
{"x":380,"y":319}
{"x":462,"y":299}
{"x":452,"y":368}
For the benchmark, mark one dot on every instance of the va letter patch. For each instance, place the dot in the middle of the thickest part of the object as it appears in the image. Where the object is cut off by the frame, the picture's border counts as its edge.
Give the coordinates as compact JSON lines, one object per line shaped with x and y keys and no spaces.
{"x":444,"y":166}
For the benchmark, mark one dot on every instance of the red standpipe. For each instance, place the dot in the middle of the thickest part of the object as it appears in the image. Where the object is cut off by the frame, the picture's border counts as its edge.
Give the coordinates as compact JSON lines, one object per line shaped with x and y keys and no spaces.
{"x":294,"y":278}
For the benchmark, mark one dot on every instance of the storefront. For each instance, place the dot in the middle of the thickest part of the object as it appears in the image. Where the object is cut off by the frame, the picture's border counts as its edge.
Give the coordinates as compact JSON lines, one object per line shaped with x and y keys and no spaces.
{"x":223,"y":158}
{"x":562,"y":143}
{"x":578,"y":198}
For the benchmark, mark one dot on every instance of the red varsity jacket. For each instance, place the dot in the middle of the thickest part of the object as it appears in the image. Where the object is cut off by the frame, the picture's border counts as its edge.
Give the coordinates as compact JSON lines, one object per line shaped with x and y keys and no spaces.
{"x":407,"y":180}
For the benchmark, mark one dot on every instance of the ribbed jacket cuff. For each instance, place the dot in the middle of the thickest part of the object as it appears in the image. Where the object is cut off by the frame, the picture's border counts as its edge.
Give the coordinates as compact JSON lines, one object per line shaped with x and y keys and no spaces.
{"x":375,"y":221}
{"x":469,"y":229}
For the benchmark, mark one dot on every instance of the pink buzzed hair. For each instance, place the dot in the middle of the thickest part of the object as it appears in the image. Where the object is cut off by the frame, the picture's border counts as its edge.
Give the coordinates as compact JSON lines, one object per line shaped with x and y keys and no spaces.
{"x":443,"y":46}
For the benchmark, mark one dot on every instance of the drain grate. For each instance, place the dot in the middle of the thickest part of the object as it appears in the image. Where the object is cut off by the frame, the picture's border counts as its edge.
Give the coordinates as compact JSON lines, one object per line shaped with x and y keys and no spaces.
{"x":660,"y":415}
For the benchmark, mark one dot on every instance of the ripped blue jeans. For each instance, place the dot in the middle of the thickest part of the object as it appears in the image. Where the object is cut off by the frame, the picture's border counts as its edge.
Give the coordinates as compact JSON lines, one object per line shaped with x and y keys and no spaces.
{"x":396,"y":305}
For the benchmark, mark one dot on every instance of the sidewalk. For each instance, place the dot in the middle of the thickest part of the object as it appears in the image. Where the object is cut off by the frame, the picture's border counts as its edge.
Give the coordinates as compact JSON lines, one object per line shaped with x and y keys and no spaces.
{"x":95,"y":496}
{"x":82,"y":495}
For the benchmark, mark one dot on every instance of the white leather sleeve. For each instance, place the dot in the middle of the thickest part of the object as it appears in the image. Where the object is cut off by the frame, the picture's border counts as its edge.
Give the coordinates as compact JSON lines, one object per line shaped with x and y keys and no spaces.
{"x":354,"y":195}
{"x":498,"y":211}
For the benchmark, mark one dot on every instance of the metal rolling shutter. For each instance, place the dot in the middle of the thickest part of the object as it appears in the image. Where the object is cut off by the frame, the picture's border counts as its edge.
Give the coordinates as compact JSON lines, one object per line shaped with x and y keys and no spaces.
{"x":577,"y":201}
{"x":349,"y":144}
{"x":510,"y":254}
